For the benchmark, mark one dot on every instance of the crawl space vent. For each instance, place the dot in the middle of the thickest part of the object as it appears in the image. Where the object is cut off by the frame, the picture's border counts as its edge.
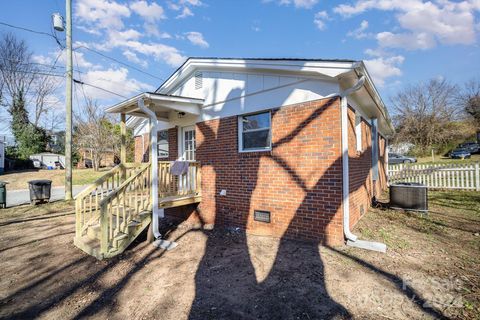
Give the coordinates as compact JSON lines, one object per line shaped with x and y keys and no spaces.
{"x":262,"y":216}
{"x":198,"y":80}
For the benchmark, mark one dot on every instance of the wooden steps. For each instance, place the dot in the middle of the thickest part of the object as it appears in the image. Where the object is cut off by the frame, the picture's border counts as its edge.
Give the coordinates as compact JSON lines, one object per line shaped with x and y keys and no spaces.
{"x":116,"y":208}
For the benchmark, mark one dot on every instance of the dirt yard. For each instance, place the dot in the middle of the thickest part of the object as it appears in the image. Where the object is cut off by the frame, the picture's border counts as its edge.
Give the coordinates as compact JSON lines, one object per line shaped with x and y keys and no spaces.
{"x":18,"y":180}
{"x":431,"y":270}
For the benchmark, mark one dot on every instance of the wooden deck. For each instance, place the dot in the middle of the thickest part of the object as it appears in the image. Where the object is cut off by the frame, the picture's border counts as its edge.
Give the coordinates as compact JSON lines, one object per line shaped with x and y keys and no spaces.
{"x":179,"y":200}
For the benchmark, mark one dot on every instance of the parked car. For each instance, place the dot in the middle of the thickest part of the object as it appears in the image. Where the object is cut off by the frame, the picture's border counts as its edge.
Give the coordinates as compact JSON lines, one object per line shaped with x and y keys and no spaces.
{"x":471,"y":147}
{"x":394,"y":158}
{"x":460,"y":154}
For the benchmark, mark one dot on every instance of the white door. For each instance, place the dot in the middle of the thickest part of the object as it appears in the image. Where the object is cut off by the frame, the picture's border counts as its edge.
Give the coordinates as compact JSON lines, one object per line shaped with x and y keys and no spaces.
{"x":188,"y":143}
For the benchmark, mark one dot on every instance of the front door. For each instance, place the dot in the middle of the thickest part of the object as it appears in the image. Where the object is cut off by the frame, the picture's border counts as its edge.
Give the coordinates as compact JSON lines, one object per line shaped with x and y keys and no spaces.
{"x":188,"y":143}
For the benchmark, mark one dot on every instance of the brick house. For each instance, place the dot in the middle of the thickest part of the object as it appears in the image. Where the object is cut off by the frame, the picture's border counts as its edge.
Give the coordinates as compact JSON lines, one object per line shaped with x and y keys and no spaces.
{"x":287,"y":147}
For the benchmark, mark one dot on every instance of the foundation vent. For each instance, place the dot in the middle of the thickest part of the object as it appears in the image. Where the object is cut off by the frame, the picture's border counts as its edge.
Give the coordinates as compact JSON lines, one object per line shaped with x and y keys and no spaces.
{"x":262,"y":216}
{"x":198,"y":80}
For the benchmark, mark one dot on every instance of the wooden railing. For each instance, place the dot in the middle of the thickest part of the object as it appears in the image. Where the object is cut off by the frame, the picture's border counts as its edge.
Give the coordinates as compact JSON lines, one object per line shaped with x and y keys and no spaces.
{"x":184,"y":185}
{"x":119,"y":209}
{"x":87,"y":202}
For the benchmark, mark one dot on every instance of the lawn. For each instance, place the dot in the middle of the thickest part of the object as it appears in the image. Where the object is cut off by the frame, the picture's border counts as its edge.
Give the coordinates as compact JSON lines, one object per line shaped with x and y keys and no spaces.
{"x":445,"y":160}
{"x":431,"y":270}
{"x":18,"y":180}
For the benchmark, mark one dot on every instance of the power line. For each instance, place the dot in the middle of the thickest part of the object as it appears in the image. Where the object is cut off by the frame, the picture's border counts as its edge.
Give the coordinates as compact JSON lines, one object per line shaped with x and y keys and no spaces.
{"x":34,"y":31}
{"x":99,"y":88}
{"x":27,"y":29}
{"x":118,"y":61}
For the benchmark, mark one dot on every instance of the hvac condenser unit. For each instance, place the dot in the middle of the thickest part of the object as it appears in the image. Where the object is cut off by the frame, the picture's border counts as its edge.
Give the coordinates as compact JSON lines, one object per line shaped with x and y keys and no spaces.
{"x":409,"y":196}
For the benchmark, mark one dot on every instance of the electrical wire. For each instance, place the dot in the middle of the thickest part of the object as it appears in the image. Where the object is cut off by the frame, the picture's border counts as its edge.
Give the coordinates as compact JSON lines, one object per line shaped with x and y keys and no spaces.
{"x":99,"y":88}
{"x":118,"y":61}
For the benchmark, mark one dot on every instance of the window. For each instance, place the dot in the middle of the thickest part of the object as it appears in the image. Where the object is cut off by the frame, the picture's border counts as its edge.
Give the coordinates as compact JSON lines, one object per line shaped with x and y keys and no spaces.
{"x":162,"y":144}
{"x":254,"y":132}
{"x":358,"y":131}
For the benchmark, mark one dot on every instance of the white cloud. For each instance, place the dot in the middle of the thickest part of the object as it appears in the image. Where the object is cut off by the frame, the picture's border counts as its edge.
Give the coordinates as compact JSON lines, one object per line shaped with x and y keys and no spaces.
{"x":305,"y":4}
{"x":184,"y":7}
{"x":381,"y":68}
{"x":197,"y":39}
{"x":359,"y":33}
{"x":105,"y":14}
{"x":132,"y":56}
{"x":115,"y":80}
{"x":320,"y":18}
{"x":409,"y":41}
{"x":150,"y":12}
{"x":186,"y":12}
{"x":424,"y":24}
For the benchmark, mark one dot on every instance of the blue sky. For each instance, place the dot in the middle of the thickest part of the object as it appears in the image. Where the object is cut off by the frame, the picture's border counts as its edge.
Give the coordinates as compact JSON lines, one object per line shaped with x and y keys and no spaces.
{"x":402,"y":41}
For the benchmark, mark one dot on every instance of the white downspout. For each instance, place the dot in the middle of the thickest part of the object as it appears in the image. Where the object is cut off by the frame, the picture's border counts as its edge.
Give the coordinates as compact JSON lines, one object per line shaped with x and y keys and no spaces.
{"x":156,"y":212}
{"x":352,"y":240}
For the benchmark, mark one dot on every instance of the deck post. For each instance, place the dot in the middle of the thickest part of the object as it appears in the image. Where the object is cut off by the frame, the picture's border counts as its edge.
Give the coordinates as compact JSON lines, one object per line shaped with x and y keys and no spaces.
{"x":123,"y":147}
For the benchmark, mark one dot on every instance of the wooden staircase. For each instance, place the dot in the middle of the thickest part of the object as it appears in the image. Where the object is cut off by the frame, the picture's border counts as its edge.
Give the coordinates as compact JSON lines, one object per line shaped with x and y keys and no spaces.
{"x":116,"y":208}
{"x":113,"y":211}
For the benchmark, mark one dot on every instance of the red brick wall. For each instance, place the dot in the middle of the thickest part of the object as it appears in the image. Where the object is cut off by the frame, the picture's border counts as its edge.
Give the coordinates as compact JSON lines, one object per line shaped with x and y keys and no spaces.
{"x":299,"y":181}
{"x":360,"y":167}
{"x":142,"y":155}
{"x":142,"y":148}
{"x":360,"y":163}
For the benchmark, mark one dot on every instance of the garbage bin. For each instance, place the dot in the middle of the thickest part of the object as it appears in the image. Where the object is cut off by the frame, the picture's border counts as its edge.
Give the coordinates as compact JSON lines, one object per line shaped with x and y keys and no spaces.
{"x":409,"y":196}
{"x":3,"y":194}
{"x":39,"y":190}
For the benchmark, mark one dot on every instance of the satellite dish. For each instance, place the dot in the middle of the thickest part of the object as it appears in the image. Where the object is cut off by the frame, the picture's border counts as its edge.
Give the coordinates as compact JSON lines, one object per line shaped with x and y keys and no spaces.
{"x":57,"y":20}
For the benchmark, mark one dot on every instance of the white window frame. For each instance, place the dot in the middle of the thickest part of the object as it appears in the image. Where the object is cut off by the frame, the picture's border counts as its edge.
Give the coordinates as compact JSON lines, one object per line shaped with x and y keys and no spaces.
{"x":358,"y":131}
{"x":240,"y":131}
{"x":182,"y":143}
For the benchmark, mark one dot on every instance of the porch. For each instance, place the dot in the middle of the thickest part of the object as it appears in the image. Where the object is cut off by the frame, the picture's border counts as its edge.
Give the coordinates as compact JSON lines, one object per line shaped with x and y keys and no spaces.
{"x":114,"y":210}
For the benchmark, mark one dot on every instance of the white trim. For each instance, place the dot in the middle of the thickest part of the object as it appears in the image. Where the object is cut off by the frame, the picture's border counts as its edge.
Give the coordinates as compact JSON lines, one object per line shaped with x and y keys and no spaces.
{"x":182,"y":142}
{"x":240,"y":131}
{"x":358,"y":132}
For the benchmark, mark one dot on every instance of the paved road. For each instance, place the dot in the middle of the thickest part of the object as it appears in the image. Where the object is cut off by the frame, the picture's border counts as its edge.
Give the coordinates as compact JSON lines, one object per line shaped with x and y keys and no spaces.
{"x":18,"y":197}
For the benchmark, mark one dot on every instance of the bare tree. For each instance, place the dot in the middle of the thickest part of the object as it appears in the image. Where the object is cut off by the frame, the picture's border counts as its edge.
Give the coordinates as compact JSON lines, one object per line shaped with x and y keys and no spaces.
{"x":94,"y":132}
{"x":17,"y":73}
{"x":44,"y":87}
{"x":469,"y":99}
{"x":424,"y":114}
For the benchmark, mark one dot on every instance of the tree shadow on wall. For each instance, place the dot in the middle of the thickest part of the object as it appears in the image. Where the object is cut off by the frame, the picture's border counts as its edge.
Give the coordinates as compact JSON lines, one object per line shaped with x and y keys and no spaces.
{"x":289,"y":282}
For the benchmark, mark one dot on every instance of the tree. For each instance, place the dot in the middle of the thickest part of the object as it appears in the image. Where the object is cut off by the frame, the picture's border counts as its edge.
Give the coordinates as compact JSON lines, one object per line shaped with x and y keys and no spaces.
{"x":20,"y":80}
{"x":425,"y":114}
{"x":469,"y":99}
{"x":93,"y":131}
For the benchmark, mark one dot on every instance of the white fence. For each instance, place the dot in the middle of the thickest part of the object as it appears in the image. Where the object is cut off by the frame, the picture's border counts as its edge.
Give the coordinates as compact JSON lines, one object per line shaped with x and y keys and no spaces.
{"x":438,"y":176}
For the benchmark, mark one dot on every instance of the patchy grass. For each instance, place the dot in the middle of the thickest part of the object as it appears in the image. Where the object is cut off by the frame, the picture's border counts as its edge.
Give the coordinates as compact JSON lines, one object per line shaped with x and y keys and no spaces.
{"x":445,"y":160}
{"x":439,"y":250}
{"x":431,"y":270}
{"x":19,"y":179}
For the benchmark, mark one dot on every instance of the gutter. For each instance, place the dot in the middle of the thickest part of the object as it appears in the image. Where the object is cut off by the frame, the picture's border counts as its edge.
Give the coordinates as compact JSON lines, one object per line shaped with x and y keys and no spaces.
{"x":156,"y":212}
{"x":352,"y":240}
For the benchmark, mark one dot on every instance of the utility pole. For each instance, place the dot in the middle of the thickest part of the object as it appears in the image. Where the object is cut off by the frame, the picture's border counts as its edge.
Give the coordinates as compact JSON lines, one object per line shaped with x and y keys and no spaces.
{"x":68,"y":103}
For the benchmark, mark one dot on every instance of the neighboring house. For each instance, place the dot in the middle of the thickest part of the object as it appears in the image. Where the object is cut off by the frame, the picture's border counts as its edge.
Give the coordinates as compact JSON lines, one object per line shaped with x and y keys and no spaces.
{"x":2,"y":156}
{"x":286,"y":147}
{"x":47,"y":160}
{"x":86,"y":158}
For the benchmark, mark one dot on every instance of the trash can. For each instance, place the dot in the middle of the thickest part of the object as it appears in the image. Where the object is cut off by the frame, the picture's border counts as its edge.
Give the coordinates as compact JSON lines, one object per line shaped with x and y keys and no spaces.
{"x":39,"y":190}
{"x":3,"y":194}
{"x":409,"y":196}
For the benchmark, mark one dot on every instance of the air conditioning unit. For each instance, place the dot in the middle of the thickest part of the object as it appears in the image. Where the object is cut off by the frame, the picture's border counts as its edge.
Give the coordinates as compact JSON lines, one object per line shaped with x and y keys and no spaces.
{"x":409,"y":196}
